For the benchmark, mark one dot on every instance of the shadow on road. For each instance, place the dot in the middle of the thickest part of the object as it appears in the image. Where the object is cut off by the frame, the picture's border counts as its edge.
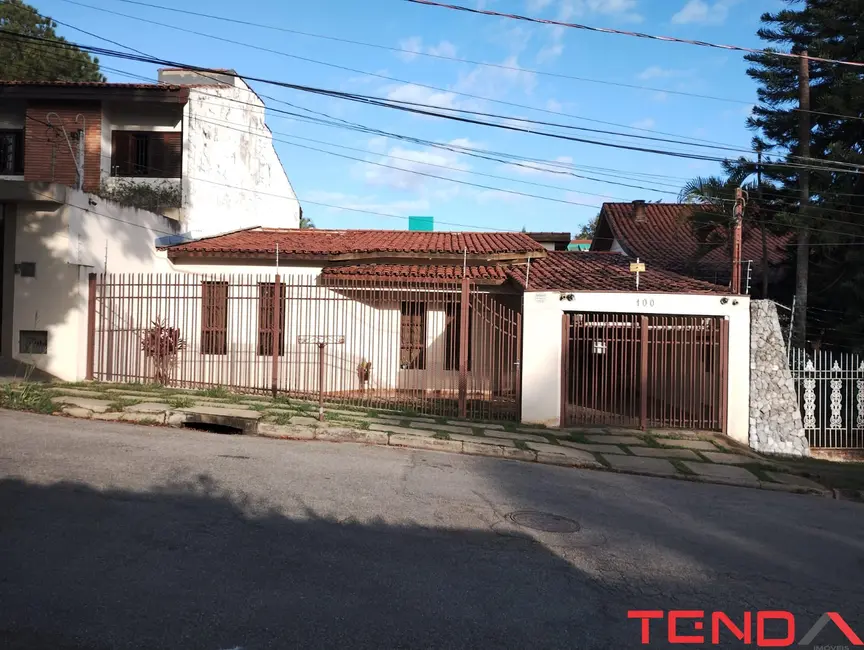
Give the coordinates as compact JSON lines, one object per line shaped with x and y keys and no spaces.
{"x":191,"y":566}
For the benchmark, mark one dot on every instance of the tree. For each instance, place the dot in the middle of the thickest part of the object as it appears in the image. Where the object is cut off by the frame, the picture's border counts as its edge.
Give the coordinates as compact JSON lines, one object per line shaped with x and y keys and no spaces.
{"x":306,"y":223}
{"x":588,"y":229}
{"x":22,"y":60}
{"x":828,"y":29}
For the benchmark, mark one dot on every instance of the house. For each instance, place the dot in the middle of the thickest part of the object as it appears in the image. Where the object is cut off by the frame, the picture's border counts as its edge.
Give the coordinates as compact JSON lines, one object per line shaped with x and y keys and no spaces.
{"x":552,"y":241}
{"x":487,"y":325}
{"x":92,"y":174}
{"x":579,"y":245}
{"x":661,"y":235}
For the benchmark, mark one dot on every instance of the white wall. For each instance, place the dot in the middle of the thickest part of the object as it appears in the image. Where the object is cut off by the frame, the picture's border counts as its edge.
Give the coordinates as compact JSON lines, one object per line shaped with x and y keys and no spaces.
{"x":233,"y":177}
{"x":68,"y":242}
{"x":541,"y":358}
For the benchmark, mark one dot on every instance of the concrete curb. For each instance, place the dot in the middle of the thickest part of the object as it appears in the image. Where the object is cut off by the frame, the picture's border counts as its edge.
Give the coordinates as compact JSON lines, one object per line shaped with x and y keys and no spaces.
{"x":422,"y":440}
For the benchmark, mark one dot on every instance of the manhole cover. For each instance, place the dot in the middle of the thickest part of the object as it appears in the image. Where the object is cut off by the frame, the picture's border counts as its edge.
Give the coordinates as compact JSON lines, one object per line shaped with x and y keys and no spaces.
{"x":544,"y":521}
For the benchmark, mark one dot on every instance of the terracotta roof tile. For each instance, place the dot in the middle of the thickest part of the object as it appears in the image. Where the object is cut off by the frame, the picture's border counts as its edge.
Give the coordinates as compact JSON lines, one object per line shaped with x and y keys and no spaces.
{"x":94,"y":84}
{"x":316,"y":244}
{"x":417,"y":273}
{"x":602,"y":271}
{"x":665,"y":239}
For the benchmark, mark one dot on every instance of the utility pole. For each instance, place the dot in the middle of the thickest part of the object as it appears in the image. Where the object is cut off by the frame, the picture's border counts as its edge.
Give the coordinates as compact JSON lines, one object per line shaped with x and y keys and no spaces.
{"x":803,"y":253}
{"x":764,"y":223}
{"x":736,"y":240}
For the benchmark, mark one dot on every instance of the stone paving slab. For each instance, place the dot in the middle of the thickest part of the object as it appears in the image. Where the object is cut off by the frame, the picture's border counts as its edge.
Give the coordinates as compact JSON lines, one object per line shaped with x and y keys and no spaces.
{"x":611,"y":439}
{"x":726,"y":473}
{"x":270,"y":430}
{"x":598,"y":449}
{"x":701,"y":445}
{"x":645,"y":465}
{"x":797,"y":481}
{"x":77,"y":392}
{"x":526,"y":437}
{"x":227,"y":412}
{"x":346,"y":413}
{"x":144,"y":418}
{"x":732,"y":459}
{"x":389,"y":428}
{"x":306,"y":421}
{"x":482,"y":425}
{"x":586,"y":460}
{"x":421,"y":442}
{"x":147,"y":407}
{"x":442,"y":427}
{"x":654,"y":452}
{"x":548,"y":449}
{"x":481,"y":440}
{"x":95,"y":405}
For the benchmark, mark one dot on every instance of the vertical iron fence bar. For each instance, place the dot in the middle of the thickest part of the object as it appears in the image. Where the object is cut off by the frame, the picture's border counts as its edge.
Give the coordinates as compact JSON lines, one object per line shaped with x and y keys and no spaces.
{"x":643,"y":402}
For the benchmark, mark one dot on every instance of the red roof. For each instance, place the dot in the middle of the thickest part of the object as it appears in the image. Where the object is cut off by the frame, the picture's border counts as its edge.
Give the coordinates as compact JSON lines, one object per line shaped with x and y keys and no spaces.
{"x":417,"y":273}
{"x":665,"y":239}
{"x":94,"y":84}
{"x":317,"y":244}
{"x":602,"y":271}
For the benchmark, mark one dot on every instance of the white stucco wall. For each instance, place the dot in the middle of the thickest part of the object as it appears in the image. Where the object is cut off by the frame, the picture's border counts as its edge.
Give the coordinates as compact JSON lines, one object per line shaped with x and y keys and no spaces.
{"x":66,"y":243}
{"x":541,"y":359}
{"x":233,"y":177}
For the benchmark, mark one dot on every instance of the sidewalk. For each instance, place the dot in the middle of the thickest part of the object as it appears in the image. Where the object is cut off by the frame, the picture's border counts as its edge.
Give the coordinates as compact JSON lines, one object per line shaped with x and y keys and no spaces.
{"x":686,"y":455}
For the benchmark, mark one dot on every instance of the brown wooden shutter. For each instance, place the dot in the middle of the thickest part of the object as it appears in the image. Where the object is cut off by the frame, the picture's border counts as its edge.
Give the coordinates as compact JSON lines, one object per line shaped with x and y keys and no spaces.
{"x":172,"y":154}
{"x":121,"y":153}
{"x":214,"y":318}
{"x":265,"y":319}
{"x":412,"y":344}
{"x":453,"y":336}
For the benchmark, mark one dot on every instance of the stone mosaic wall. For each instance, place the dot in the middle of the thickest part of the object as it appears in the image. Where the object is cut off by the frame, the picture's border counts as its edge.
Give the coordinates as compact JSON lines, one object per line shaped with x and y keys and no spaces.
{"x":775,"y":417}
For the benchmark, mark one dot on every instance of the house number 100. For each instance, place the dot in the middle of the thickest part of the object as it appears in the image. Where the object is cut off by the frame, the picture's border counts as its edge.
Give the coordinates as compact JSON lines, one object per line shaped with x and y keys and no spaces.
{"x":644,"y":302}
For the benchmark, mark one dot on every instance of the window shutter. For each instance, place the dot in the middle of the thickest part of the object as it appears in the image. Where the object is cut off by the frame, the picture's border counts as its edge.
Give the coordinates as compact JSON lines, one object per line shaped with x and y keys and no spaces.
{"x":121,"y":153}
{"x":172,"y":154}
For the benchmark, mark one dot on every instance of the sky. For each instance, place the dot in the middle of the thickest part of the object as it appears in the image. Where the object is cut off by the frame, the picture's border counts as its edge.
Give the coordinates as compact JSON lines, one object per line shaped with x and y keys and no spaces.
{"x":534,"y":79}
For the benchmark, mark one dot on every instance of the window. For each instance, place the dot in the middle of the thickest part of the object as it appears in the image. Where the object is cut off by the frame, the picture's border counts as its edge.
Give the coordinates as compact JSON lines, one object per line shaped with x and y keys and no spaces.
{"x":33,"y":342}
{"x":214,"y":318}
{"x":11,"y":153}
{"x":146,"y":153}
{"x":265,"y":318}
{"x":453,"y":336}
{"x":412,"y":340}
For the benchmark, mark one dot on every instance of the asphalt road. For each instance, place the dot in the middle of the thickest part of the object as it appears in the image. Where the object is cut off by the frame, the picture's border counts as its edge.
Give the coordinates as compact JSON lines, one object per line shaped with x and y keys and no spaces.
{"x":119,"y":536}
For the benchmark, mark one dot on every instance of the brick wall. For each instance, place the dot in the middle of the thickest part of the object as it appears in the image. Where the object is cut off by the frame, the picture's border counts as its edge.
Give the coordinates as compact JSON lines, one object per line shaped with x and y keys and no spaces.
{"x":46,"y":154}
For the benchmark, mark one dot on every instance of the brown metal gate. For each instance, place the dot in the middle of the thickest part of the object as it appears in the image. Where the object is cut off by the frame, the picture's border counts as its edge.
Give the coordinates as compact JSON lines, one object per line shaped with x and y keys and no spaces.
{"x":632,"y":370}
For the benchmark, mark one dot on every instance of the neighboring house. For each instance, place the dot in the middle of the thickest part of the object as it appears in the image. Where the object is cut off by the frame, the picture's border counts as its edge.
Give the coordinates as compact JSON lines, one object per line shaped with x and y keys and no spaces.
{"x":552,"y":241}
{"x":92,"y":174}
{"x":579,"y":245}
{"x":661,"y":235}
{"x":400,"y":327}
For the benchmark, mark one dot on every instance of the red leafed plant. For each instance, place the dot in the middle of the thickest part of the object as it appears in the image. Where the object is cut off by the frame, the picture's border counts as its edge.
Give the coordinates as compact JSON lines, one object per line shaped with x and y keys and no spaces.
{"x":162,"y":343}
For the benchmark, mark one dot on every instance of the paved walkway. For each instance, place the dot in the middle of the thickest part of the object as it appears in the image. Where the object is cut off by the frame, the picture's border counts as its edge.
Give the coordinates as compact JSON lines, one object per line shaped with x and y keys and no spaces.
{"x":695,"y":456}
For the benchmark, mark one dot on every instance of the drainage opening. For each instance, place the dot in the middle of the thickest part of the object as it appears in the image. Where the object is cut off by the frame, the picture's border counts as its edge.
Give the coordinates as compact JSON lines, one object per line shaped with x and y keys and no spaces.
{"x":544,"y":521}
{"x":213,"y":428}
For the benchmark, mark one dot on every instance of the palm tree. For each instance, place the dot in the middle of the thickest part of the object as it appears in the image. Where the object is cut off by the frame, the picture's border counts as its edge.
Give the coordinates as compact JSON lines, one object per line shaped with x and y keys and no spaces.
{"x":306,"y":223}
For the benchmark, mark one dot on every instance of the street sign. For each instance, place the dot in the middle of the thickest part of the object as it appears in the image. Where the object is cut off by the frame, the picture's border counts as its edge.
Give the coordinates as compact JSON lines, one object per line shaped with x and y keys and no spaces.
{"x":637,"y":267}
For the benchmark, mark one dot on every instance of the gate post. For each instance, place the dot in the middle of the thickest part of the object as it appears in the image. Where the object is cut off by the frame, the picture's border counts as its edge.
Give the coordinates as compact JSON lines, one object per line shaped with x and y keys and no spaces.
{"x":643,"y":389}
{"x":464,"y":317}
{"x":91,"y":325}
{"x":275,"y":332}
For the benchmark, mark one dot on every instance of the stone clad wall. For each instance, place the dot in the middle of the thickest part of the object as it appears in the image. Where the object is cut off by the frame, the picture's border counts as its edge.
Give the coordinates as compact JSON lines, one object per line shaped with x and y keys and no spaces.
{"x":775,"y":417}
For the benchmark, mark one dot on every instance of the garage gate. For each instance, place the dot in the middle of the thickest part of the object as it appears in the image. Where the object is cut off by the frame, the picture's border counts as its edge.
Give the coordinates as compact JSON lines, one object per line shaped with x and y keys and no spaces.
{"x":634,"y":370}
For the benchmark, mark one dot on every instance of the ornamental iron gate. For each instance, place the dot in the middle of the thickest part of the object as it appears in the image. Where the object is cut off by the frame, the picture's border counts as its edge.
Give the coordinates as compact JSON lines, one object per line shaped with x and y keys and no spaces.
{"x":635,"y":370}
{"x":830,"y":388}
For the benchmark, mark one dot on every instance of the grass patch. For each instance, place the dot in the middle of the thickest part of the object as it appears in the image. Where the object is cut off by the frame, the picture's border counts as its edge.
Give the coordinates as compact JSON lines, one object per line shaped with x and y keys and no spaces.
{"x":283,"y":418}
{"x":832,"y":474}
{"x":27,"y":397}
{"x":759,"y":471}
{"x":180,"y":402}
{"x":441,"y":435}
{"x":578,"y":436}
{"x":600,"y":459}
{"x":364,"y":425}
{"x":521,"y":444}
{"x":217,"y":392}
{"x":118,"y":404}
{"x":681,"y":467}
{"x":651,"y":441}
{"x":478,"y":431}
{"x":552,"y":440}
{"x":440,"y":420}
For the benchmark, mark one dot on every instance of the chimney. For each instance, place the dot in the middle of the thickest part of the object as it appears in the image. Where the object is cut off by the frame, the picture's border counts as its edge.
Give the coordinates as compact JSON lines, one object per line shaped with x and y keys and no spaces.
{"x":639,"y":211}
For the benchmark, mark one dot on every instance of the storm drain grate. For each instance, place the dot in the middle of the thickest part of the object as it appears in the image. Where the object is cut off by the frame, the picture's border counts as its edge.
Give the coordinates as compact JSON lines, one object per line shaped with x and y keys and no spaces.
{"x":544,"y":521}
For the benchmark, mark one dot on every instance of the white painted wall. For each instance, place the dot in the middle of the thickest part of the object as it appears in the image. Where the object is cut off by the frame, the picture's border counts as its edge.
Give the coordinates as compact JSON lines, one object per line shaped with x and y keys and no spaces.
{"x":233,"y":177}
{"x":68,"y":242}
{"x":541,"y":359}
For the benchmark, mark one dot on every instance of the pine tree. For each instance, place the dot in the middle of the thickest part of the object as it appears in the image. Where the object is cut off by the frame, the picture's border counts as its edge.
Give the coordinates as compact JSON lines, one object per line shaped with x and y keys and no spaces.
{"x":829,"y":29}
{"x":22,"y":60}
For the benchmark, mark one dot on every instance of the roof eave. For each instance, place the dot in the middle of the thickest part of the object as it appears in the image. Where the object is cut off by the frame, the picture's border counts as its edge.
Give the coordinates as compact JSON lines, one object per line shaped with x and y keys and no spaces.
{"x":157,"y":94}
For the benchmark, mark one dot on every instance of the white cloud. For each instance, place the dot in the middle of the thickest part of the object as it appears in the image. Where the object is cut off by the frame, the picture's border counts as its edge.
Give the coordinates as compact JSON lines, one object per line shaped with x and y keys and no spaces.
{"x":537,"y":5}
{"x":406,"y":167}
{"x":658,"y":72}
{"x":659,"y":96}
{"x":647,"y":123}
{"x":701,"y":12}
{"x":422,"y":95}
{"x":497,"y":82}
{"x":372,"y":203}
{"x":554,"y":105}
{"x":413,"y":47}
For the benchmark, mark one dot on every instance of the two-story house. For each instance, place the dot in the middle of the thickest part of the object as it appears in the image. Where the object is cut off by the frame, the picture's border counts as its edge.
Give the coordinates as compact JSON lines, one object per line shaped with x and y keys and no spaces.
{"x":93,"y":175}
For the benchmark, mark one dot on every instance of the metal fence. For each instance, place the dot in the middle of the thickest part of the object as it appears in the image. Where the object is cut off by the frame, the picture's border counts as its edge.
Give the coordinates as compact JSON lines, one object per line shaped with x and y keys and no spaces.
{"x":640,"y":371}
{"x":830,"y":388}
{"x":442,"y":349}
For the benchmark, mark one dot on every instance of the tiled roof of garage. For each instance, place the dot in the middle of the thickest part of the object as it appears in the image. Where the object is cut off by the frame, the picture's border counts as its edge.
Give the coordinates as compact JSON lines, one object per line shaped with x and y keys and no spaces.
{"x":586,"y":271}
{"x":417,"y":273}
{"x":317,"y":244}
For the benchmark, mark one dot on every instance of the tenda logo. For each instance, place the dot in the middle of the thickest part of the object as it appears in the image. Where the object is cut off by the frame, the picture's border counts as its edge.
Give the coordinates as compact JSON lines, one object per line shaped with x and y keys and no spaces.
{"x":687,"y":627}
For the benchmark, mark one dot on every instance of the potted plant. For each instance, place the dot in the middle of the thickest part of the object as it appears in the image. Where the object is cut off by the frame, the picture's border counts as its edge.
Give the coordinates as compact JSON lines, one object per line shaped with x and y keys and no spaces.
{"x":161,"y":343}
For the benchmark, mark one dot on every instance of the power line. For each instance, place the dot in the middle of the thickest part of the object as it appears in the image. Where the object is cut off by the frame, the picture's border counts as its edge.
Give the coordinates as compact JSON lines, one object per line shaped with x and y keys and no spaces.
{"x":620,"y":32}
